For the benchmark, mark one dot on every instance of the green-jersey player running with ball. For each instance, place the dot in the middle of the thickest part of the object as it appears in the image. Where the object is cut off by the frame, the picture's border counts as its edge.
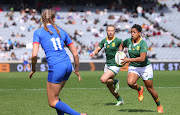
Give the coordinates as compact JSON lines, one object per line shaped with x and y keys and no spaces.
{"x":111,"y":45}
{"x":139,"y":65}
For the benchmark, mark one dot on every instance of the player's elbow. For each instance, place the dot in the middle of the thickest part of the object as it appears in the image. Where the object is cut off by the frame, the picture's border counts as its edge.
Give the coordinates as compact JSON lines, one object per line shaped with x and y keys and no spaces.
{"x":75,"y":55}
{"x":143,"y":59}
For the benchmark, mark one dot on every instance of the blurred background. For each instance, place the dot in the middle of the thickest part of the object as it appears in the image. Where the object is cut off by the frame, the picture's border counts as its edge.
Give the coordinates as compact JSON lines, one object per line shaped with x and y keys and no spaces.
{"x":86,"y":20}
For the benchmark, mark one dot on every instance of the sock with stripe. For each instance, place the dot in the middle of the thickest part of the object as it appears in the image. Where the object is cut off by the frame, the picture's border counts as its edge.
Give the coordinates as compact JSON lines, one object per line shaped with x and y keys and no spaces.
{"x":157,"y":102}
{"x":64,"y":108}
{"x":139,"y":88}
{"x":115,"y":81}
{"x":118,"y":97}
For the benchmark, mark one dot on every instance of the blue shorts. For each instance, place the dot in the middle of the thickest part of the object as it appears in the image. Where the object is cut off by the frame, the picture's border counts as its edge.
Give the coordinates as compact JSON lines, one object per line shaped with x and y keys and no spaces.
{"x":25,"y":62}
{"x":59,"y":72}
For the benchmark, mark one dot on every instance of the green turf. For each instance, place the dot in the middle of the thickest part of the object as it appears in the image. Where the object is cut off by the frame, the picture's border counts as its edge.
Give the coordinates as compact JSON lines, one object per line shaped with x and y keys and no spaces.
{"x":94,"y":99}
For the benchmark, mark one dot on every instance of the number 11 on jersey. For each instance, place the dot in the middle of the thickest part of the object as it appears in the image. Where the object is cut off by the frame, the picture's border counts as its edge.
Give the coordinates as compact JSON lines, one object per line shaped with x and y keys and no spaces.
{"x":56,"y":43}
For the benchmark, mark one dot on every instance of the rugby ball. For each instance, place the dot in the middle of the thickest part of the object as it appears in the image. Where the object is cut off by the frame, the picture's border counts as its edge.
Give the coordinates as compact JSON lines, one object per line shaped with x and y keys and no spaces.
{"x":119,"y":55}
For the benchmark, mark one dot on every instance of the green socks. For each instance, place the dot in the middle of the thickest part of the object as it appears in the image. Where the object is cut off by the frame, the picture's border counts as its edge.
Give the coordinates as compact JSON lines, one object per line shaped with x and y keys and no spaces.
{"x":118,"y":97}
{"x":157,"y":101}
{"x":139,"y":89}
{"x":115,"y":81}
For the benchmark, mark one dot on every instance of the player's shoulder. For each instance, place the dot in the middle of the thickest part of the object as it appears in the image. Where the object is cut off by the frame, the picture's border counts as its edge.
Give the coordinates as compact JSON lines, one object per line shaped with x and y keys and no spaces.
{"x":61,"y":30}
{"x":143,"y":42}
{"x":118,"y":39}
{"x":103,"y":40}
{"x":128,"y":40}
{"x":38,"y":31}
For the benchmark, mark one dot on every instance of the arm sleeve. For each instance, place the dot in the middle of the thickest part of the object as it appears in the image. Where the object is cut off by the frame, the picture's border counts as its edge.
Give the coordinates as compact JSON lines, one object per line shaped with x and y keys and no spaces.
{"x":125,"y":43}
{"x":68,"y":40}
{"x":101,"y":44}
{"x":119,"y":42}
{"x":143,"y":47}
{"x":36,"y":37}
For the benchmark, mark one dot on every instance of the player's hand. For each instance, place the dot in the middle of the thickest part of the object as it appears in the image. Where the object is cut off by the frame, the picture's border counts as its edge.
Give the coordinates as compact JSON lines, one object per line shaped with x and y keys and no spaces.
{"x":126,"y":60}
{"x":31,"y":73}
{"x":79,"y":77}
{"x":92,"y":54}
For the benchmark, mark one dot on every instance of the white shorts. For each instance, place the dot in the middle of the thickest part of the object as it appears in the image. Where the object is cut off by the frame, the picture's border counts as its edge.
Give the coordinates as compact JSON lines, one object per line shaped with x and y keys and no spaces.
{"x":114,"y":69}
{"x":146,"y":73}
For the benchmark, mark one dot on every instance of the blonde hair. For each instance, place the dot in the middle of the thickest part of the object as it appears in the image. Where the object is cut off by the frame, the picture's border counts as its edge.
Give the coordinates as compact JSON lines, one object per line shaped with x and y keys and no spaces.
{"x":47,"y":17}
{"x":111,"y":26}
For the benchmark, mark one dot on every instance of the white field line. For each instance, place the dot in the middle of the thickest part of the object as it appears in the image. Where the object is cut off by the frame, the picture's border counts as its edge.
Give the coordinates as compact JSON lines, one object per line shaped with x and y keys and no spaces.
{"x":82,"y":89}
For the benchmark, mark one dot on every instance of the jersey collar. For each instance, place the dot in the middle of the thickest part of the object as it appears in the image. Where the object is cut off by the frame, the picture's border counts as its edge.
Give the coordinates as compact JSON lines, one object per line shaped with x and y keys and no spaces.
{"x":112,"y":39}
{"x":138,"y":41}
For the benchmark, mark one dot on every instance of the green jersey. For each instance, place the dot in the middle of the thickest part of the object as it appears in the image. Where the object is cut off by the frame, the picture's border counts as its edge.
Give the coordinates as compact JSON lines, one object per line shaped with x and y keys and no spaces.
{"x":111,"y":47}
{"x":134,"y":50}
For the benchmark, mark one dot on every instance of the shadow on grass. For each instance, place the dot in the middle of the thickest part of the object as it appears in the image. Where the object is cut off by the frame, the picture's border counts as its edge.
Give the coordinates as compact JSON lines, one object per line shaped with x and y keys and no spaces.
{"x":135,"y":110}
{"x":110,"y":104}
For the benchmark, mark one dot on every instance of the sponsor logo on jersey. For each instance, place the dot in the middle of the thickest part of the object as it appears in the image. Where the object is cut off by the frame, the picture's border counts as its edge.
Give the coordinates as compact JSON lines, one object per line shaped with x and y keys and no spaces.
{"x":113,"y":45}
{"x":108,"y":46}
{"x":133,"y":49}
{"x":138,"y":48}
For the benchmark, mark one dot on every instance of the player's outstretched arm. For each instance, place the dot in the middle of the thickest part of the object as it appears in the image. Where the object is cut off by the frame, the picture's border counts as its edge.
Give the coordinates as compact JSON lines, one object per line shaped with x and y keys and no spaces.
{"x":76,"y":60}
{"x":96,"y":51}
{"x":34,"y":59}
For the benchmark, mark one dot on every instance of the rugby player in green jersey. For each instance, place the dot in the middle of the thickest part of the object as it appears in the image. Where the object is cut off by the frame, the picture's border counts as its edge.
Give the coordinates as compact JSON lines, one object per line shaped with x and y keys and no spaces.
{"x":111,"y":45}
{"x":139,"y":65}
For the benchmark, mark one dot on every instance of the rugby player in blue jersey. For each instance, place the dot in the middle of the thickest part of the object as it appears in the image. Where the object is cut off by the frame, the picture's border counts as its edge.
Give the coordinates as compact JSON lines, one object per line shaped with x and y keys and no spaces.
{"x":52,"y":40}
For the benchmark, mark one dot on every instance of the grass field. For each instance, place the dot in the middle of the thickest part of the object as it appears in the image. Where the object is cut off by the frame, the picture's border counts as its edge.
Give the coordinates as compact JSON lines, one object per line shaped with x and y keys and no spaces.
{"x":22,"y":96}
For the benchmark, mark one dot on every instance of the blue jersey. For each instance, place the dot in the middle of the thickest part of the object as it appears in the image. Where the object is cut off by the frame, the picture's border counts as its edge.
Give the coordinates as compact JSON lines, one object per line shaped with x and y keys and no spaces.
{"x":53,"y":45}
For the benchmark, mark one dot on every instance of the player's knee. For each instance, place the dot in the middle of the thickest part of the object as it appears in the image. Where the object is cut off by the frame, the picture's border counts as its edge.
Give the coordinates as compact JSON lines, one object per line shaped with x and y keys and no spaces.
{"x":103,"y":80}
{"x":130,"y":83}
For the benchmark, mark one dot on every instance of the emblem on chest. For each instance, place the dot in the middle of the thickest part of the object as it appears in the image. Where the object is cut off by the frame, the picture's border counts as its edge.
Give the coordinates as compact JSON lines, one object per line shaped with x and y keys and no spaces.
{"x":113,"y":44}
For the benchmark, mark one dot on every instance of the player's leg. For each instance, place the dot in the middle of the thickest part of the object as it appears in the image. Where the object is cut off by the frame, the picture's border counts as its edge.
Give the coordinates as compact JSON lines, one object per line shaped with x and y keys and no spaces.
{"x":24,"y":68}
{"x":28,"y":67}
{"x":109,"y":74}
{"x":56,"y":81}
{"x":111,"y":88}
{"x":53,"y":90}
{"x":150,"y":88}
{"x":108,"y":78}
{"x":131,"y":80}
{"x":133,"y":76}
{"x":147,"y":76}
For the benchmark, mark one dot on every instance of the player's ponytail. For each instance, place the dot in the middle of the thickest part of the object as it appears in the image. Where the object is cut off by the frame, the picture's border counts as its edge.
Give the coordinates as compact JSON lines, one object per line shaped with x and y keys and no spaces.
{"x":47,"y":17}
{"x":57,"y":30}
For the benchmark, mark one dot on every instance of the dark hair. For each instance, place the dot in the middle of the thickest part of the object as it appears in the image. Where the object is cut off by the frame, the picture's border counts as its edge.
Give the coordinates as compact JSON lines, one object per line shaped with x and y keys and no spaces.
{"x":138,"y":27}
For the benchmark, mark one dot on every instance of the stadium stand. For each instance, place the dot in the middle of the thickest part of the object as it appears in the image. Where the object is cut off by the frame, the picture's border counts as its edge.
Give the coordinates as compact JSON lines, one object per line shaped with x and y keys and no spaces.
{"x":88,"y":28}
{"x":169,"y":21}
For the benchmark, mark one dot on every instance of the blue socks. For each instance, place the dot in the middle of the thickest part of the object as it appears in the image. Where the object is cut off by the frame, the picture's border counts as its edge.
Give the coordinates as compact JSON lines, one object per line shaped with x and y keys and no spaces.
{"x":62,"y":108}
{"x":59,"y":112}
